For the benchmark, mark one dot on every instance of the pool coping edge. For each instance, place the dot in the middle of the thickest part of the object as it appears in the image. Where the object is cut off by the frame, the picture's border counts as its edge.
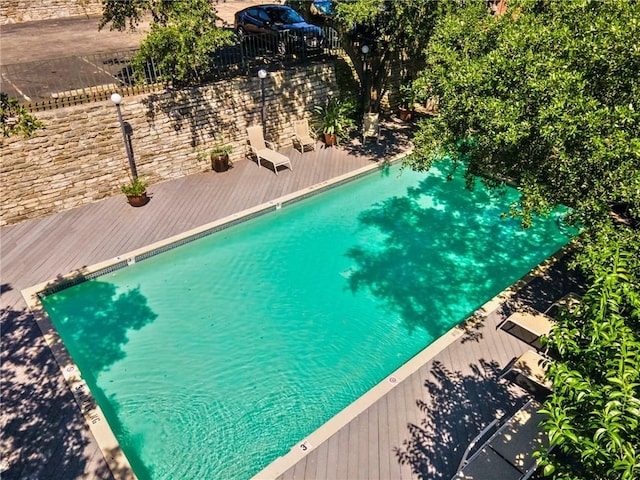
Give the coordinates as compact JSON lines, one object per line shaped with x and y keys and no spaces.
{"x":105,"y":439}
{"x":304,"y":447}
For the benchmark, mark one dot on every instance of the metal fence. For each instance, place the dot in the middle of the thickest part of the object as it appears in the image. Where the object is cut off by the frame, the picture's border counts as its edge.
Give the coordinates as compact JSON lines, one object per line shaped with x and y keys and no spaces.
{"x":60,"y":82}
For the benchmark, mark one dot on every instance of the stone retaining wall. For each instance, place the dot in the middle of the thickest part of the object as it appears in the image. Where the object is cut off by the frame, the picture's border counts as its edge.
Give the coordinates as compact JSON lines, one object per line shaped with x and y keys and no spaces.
{"x":80,"y":156}
{"x":16,"y":11}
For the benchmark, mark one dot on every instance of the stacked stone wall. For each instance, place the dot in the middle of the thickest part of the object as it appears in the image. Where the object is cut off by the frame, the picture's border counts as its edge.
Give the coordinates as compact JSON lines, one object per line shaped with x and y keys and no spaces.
{"x":16,"y":11}
{"x":80,"y":158}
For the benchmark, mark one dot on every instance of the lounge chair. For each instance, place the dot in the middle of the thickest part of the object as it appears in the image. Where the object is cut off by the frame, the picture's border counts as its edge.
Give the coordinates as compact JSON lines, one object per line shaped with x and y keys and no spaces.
{"x":508,"y":453}
{"x":263,"y":150}
{"x":528,"y":326}
{"x":302,"y":135}
{"x":529,"y":371}
{"x":371,"y":127}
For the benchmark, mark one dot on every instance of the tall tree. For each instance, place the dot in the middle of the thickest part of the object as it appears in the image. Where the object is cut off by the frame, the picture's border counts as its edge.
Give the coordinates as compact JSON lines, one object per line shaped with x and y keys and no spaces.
{"x":547,"y":97}
{"x":183,"y":36}
{"x":394,"y":31}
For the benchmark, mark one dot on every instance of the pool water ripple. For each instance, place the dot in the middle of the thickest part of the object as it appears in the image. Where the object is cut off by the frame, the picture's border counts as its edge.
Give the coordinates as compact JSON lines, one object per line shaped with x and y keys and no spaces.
{"x":230,"y":349}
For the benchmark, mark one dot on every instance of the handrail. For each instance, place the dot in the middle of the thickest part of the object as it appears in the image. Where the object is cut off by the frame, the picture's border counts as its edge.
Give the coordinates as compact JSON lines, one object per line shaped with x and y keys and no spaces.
{"x":59,"y":82}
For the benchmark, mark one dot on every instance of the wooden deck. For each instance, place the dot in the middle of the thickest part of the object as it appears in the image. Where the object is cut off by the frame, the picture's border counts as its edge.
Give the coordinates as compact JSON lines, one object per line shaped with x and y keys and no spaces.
{"x":418,"y":430}
{"x":421,"y":428}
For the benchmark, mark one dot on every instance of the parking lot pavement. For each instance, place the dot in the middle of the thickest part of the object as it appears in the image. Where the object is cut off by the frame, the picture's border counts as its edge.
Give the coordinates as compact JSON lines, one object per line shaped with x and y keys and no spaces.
{"x":64,"y":37}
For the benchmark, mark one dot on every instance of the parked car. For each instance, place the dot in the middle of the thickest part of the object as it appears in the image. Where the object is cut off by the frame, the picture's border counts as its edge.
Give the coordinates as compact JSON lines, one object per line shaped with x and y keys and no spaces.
{"x":290,"y":30}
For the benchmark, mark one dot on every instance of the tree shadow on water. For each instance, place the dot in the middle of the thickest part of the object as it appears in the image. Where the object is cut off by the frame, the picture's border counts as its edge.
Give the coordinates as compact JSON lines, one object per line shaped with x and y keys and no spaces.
{"x":440,"y":252}
{"x":44,"y":432}
{"x":94,"y":318}
{"x":457,"y":407}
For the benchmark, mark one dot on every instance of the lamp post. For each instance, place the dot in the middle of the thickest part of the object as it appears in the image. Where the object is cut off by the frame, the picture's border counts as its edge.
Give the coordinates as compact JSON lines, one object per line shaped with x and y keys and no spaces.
{"x":365,"y":77}
{"x":262,"y":74}
{"x":117,"y":100}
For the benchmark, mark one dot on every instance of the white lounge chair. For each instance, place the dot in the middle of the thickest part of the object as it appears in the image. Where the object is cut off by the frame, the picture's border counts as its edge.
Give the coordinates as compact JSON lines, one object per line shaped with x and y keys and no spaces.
{"x":371,"y":127}
{"x":263,"y":150}
{"x":302,"y":135}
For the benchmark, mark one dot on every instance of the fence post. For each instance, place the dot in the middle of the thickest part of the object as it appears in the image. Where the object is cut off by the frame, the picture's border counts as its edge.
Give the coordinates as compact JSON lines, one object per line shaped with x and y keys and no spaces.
{"x":242,"y":44}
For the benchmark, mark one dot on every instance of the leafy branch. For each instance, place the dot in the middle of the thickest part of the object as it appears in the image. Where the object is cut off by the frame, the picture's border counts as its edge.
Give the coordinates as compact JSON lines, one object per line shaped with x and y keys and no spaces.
{"x":15,"y":119}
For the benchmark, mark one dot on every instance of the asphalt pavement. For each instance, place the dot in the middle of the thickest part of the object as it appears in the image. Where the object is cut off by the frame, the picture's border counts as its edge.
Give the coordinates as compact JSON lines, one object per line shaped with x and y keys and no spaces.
{"x":64,"y":37}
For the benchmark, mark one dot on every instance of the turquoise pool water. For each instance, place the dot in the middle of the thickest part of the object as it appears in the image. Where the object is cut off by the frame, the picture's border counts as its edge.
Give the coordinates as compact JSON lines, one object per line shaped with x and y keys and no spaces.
{"x":214,"y":358}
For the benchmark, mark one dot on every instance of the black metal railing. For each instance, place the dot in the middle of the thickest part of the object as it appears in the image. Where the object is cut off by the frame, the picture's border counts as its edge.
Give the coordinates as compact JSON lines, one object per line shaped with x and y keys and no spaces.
{"x":63,"y":81}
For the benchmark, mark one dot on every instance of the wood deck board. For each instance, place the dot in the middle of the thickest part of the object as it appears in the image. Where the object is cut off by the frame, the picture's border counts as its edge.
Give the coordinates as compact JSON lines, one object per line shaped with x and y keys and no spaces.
{"x":308,"y":467}
{"x":394,"y":432}
{"x":372,"y":445}
{"x":56,"y":442}
{"x":322,"y":462}
{"x":363,"y":445}
{"x":383,"y":438}
{"x":355,"y":430}
{"x":332,"y":457}
{"x":342,"y":462}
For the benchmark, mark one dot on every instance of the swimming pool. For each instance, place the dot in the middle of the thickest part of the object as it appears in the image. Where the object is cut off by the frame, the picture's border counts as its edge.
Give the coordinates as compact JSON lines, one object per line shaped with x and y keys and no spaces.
{"x":214,"y":358}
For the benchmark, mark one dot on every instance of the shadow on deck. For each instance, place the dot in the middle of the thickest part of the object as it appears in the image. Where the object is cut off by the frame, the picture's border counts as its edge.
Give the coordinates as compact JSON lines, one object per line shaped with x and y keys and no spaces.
{"x":419,"y":429}
{"x":44,"y":433}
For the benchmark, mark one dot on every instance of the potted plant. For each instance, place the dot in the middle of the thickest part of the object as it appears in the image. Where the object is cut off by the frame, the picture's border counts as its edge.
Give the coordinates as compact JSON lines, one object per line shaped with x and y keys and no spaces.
{"x":408,"y":99}
{"x":136,"y":192}
{"x":220,"y":157}
{"x":334,"y":119}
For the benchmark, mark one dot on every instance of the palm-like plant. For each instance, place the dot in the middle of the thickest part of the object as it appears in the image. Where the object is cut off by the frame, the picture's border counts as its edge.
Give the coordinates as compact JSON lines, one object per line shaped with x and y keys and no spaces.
{"x":335,"y":117}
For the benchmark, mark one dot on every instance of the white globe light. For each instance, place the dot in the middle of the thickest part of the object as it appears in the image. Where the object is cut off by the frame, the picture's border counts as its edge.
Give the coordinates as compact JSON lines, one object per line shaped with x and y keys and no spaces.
{"x":116,"y":98}
{"x":262,"y":73}
{"x":365,"y":49}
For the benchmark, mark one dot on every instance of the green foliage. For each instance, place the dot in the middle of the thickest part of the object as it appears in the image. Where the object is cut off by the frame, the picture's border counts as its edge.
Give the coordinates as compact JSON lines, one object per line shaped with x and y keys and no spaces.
{"x":594,"y":411}
{"x":216,"y":148}
{"x":393,"y":24}
{"x":137,"y":187}
{"x":546,"y":97}
{"x":182,"y":39}
{"x":549,"y":94}
{"x":15,"y":119}
{"x":215,"y":151}
{"x":409,"y":95}
{"x":120,"y":12}
{"x":395,"y":32}
{"x":221,"y":150}
{"x":335,"y":116}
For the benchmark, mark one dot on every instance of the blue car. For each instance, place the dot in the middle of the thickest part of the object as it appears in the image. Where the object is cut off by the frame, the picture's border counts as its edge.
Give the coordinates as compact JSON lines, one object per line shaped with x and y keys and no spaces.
{"x":288,"y":27}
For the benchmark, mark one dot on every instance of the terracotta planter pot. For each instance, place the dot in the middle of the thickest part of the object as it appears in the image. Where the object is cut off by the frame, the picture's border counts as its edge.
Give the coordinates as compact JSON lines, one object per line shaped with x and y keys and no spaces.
{"x":405,"y":114}
{"x":220,"y":163}
{"x":330,"y":139}
{"x":138,"y":200}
